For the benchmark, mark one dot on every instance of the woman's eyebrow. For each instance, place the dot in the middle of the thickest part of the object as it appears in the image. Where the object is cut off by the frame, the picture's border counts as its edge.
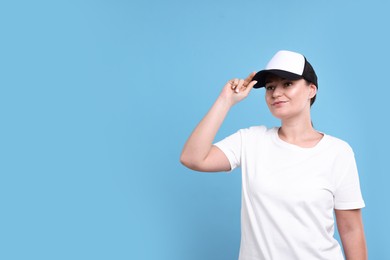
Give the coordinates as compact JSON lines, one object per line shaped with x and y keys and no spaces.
{"x":269,"y":81}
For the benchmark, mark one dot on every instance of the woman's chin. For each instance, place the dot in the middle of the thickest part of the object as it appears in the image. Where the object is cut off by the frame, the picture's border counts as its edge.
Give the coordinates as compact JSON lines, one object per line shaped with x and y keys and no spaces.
{"x":279,"y":114}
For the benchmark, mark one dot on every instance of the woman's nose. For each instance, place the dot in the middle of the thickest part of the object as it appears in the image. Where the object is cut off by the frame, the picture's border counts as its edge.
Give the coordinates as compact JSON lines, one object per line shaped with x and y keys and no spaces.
{"x":278,"y":91}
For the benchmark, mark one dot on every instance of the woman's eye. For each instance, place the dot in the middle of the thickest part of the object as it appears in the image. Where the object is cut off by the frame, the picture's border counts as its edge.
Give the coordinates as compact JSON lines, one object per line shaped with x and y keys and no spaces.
{"x":288,"y":84}
{"x":269,"y":88}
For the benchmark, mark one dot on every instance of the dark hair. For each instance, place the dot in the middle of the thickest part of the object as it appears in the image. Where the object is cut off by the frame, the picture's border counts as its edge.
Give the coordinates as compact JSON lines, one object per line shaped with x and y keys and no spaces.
{"x":312,"y":100}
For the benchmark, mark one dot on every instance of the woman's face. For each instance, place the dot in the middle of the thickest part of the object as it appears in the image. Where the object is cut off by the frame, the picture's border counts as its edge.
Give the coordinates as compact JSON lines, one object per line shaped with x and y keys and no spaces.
{"x":288,"y":98}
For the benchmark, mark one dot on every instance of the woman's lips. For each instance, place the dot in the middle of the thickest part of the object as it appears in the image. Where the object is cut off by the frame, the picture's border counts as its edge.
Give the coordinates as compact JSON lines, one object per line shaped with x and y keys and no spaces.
{"x":278,"y":103}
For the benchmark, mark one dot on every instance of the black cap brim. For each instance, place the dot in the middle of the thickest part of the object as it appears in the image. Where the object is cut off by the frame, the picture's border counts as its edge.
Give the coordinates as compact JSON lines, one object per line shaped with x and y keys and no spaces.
{"x":262,"y":75}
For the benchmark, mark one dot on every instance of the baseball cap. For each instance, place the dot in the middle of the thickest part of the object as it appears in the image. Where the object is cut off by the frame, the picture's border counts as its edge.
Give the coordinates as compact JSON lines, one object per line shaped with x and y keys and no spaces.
{"x":287,"y":65}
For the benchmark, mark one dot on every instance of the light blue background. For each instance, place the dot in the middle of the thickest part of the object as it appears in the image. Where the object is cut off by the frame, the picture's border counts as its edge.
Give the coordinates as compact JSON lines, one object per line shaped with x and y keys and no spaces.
{"x":98,"y":97}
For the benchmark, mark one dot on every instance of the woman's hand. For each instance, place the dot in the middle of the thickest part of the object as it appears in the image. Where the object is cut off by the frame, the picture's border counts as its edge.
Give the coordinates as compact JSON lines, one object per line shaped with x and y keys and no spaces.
{"x":236,"y":90}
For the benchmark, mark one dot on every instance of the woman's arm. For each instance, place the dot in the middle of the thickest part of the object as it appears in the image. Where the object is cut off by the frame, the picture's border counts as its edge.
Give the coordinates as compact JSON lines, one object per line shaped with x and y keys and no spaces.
{"x":350,"y":226}
{"x":198,"y":152}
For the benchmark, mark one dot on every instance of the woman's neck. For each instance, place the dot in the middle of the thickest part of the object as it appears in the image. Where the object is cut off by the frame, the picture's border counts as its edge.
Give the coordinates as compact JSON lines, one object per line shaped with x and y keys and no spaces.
{"x":299,"y":132}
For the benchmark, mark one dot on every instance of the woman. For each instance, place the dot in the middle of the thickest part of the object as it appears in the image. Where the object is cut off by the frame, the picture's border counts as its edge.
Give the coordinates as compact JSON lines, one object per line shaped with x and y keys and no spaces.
{"x":293,"y":177}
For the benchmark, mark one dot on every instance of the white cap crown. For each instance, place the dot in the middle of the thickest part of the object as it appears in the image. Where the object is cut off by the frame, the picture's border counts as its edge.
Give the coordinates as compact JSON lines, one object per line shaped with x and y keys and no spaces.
{"x":288,"y":61}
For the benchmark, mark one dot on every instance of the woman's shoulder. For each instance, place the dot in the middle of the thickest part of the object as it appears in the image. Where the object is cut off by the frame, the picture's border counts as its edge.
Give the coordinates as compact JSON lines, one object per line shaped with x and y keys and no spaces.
{"x":338,"y":144}
{"x":259,"y":129}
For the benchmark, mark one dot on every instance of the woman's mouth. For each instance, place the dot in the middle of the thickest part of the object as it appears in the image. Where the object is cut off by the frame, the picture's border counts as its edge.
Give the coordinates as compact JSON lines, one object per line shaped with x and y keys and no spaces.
{"x":278,"y":103}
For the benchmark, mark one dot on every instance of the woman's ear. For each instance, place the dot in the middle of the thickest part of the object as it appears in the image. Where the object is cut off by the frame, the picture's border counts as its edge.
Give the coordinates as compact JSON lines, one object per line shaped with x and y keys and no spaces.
{"x":313,"y":90}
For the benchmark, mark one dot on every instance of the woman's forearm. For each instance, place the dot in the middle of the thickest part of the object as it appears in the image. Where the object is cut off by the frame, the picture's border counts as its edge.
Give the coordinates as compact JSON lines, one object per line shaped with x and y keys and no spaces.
{"x":199,"y":144}
{"x":200,"y":141}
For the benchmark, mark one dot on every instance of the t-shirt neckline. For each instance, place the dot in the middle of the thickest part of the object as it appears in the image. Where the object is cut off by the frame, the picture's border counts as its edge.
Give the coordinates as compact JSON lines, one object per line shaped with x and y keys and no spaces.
{"x":278,"y":140}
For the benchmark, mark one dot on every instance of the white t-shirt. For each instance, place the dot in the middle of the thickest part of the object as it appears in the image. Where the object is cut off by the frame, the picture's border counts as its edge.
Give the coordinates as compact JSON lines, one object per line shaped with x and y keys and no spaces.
{"x":289,"y":194}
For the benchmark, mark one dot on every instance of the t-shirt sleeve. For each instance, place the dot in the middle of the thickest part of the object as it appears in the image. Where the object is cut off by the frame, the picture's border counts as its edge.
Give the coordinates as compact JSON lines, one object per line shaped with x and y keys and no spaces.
{"x":347,"y":194}
{"x":231,"y":146}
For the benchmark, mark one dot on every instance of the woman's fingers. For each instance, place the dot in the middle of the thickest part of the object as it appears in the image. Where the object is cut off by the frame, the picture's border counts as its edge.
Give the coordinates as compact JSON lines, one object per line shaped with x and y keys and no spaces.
{"x":250,"y":86}
{"x":249,"y":78}
{"x":239,"y":85}
{"x":234,"y":84}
